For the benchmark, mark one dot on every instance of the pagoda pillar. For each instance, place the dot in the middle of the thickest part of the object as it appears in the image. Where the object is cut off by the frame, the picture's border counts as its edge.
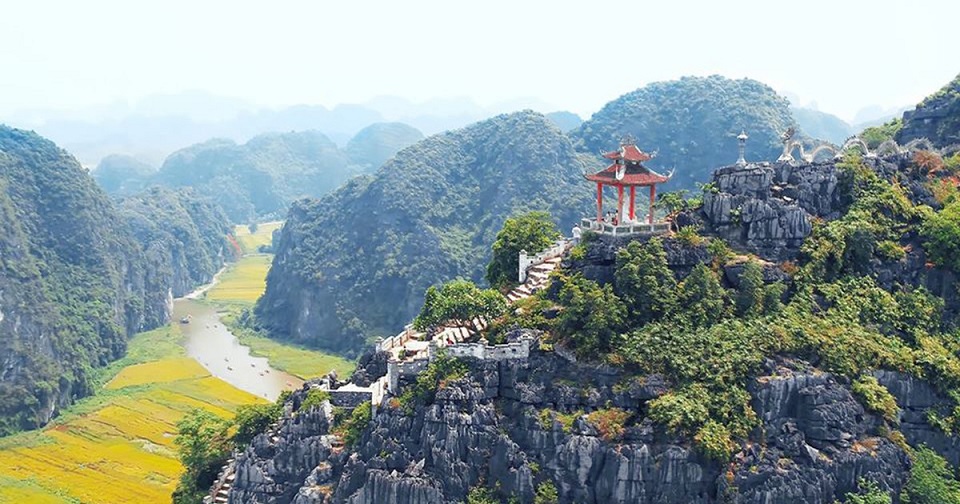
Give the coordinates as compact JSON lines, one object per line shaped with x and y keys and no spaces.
{"x":653,"y":197}
{"x":599,"y":202}
{"x":633,"y":196}
{"x":619,"y":204}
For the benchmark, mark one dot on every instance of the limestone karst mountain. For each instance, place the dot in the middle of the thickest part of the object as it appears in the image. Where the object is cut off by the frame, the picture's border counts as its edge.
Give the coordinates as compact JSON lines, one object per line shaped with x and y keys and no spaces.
{"x":936,"y":118}
{"x":260,"y":178}
{"x":355,"y":264}
{"x":692,"y":123}
{"x":80,"y":275}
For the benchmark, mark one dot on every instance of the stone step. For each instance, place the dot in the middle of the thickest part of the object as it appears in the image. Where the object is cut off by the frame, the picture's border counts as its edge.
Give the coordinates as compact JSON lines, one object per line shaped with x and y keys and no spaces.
{"x":523,"y":289}
{"x":512,"y":296}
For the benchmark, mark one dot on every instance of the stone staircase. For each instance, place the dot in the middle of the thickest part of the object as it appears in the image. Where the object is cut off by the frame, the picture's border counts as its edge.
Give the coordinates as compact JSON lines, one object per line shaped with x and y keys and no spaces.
{"x":220,"y":492}
{"x":538,"y":276}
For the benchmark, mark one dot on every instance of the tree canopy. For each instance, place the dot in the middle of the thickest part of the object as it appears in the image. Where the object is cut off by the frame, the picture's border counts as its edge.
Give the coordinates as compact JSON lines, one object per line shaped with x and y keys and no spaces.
{"x":459,"y":302}
{"x":532,"y":232}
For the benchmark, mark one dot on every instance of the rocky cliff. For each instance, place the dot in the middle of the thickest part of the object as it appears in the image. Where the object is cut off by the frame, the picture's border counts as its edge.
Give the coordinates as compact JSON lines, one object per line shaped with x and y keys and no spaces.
{"x":512,"y":425}
{"x":75,"y":281}
{"x":936,"y":118}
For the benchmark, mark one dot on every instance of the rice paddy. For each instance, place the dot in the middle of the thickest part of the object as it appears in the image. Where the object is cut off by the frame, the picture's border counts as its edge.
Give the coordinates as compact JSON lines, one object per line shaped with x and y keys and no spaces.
{"x":117,"y":446}
{"x":250,"y":242}
{"x":243,"y":281}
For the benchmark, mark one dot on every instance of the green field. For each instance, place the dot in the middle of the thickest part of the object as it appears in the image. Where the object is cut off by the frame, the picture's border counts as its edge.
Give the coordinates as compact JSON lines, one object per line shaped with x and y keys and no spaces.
{"x":250,"y":242}
{"x":117,"y":446}
{"x":243,"y":281}
{"x":240,"y":286}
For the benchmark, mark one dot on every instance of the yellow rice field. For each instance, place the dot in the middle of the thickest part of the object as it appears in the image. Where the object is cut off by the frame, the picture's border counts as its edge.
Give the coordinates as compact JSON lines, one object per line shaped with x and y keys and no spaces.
{"x":249,"y":242}
{"x":117,"y":447}
{"x":243,"y":281}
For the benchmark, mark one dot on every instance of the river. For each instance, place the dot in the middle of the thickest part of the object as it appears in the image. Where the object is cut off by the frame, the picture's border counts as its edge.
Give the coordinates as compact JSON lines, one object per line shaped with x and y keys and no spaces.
{"x":211,"y":344}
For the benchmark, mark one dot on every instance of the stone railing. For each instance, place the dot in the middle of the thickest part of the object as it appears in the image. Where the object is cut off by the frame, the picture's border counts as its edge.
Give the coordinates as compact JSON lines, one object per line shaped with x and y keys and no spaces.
{"x":516,"y":350}
{"x":527,"y":261}
{"x":396,"y":341}
{"x":627,"y":228}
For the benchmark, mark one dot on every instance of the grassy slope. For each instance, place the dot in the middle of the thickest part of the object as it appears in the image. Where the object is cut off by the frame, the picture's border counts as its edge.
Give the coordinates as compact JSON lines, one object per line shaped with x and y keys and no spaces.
{"x":240,"y":286}
{"x":117,"y":446}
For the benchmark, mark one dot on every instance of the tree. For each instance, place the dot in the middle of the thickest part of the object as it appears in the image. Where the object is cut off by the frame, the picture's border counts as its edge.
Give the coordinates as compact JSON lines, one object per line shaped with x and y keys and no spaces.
{"x":592,"y":315}
{"x":203,"y":445}
{"x":546,"y":493}
{"x":749,"y":299}
{"x":532,"y":231}
{"x":869,"y":493}
{"x":703,"y":299}
{"x":459,"y":302}
{"x":252,"y":419}
{"x":931,"y":480}
{"x":941,"y":231}
{"x":644,"y":281}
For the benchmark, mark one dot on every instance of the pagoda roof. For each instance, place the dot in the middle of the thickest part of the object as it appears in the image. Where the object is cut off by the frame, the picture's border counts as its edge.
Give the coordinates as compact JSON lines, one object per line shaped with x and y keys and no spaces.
{"x":629,"y":152}
{"x":634,"y":175}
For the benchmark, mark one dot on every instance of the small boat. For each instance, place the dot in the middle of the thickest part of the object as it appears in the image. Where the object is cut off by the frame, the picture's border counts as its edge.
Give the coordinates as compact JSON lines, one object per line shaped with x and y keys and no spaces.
{"x":226,"y":359}
{"x":261,"y":373}
{"x":185,"y":320}
{"x":252,"y":364}
{"x":229,"y":368}
{"x":266,"y":370}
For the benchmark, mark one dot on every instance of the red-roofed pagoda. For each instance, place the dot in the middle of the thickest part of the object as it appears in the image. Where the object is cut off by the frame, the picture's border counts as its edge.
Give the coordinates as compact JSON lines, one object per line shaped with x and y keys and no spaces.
{"x":627,"y":171}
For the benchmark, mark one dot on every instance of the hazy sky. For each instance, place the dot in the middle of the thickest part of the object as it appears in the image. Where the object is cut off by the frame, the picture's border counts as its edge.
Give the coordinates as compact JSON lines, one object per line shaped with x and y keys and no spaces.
{"x":578,"y":54}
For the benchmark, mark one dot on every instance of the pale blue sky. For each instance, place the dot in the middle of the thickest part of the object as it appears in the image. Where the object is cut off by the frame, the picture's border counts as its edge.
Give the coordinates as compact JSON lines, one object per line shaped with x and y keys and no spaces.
{"x":576,"y":55}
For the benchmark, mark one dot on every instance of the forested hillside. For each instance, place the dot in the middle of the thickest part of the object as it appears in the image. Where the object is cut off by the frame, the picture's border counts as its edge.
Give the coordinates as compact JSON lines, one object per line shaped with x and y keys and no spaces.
{"x":75,"y":280}
{"x":355,"y":264}
{"x":259,"y":179}
{"x":936,"y":118}
{"x":692,"y":123}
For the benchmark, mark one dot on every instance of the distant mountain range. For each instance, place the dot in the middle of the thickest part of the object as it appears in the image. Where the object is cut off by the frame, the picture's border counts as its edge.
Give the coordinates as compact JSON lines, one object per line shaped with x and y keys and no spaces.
{"x":155,"y":126}
{"x":262,"y":177}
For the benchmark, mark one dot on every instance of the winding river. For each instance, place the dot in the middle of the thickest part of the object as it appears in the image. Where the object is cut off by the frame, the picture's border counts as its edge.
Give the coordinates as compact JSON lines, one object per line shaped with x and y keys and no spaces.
{"x":211,"y":344}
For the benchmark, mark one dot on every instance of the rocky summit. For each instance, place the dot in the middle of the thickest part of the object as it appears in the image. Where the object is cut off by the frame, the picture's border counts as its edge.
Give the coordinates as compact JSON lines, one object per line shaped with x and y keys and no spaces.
{"x":522,"y":422}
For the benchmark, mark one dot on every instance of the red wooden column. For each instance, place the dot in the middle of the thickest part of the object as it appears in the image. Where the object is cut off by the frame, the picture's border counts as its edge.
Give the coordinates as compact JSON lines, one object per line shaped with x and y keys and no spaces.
{"x":653,"y":197}
{"x":619,"y":204}
{"x":633,"y":196}
{"x":599,"y":202}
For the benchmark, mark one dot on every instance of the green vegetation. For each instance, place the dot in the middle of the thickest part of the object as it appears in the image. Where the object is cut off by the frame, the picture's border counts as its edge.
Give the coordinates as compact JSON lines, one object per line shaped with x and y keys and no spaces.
{"x":546,"y":494}
{"x":243,"y":281}
{"x":80,"y":275}
{"x":693,"y":122}
{"x":461,"y":303}
{"x":260,"y":178}
{"x":374,"y":145}
{"x":644,"y":282}
{"x":315,"y":397}
{"x":116,"y":447}
{"x":709,"y":341}
{"x":609,"y":422}
{"x":352,"y":428}
{"x":869,"y":493}
{"x":203,"y":445}
{"x":362,"y":258}
{"x":876,"y":135}
{"x":122,"y":175}
{"x":941,"y":232}
{"x":481,"y":495}
{"x":876,"y":397}
{"x":441,"y":371}
{"x":939,"y":118}
{"x":532,"y":232}
{"x":931,"y":480}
